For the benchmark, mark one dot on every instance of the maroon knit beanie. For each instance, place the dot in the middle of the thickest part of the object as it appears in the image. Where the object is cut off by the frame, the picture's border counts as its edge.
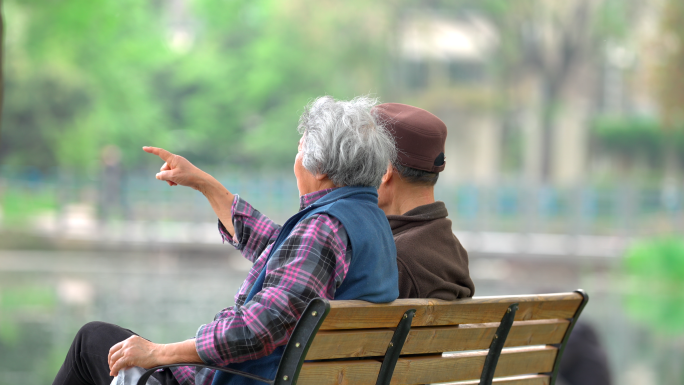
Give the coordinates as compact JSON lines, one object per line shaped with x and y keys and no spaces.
{"x":419,"y":135}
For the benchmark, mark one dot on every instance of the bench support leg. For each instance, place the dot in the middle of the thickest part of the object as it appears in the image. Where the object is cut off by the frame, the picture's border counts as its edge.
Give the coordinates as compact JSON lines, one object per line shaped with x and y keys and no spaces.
{"x":394,"y":348}
{"x":497,"y":344}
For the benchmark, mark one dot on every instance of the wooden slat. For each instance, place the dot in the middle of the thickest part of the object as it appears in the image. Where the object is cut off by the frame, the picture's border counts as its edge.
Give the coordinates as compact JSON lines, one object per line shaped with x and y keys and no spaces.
{"x":533,"y":379}
{"x":429,"y":369}
{"x":479,"y":336}
{"x":349,"y":343}
{"x":468,"y":365}
{"x":359,"y":372}
{"x":421,"y":340}
{"x":433,"y":312}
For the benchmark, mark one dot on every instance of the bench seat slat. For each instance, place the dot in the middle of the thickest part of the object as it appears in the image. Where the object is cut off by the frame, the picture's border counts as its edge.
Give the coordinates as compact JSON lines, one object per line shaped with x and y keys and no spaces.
{"x":433,"y":312}
{"x":430,"y":369}
{"x":421,"y":340}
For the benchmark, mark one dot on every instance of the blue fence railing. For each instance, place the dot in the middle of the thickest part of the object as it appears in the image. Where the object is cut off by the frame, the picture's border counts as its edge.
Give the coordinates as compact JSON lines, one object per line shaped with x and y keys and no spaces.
{"x":626,"y":209}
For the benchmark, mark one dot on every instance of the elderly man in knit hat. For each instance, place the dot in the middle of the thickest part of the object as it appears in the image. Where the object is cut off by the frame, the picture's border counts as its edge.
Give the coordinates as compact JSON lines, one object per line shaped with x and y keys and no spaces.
{"x":431,"y":261}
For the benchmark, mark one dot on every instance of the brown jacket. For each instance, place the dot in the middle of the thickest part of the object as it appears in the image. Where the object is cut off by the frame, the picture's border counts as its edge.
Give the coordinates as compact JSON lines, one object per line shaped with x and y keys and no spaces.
{"x":432,"y":263}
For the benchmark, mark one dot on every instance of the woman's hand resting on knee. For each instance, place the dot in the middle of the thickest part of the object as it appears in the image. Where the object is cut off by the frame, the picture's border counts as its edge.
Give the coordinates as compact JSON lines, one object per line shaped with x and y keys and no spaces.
{"x":137,"y":351}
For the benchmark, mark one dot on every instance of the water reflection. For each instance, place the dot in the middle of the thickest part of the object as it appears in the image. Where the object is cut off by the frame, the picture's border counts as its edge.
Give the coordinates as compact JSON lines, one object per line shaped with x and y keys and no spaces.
{"x":166,"y":291}
{"x":164,"y":295}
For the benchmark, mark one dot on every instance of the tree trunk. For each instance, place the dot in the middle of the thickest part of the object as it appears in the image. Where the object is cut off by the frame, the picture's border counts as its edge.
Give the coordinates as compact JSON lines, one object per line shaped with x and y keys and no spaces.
{"x":2,"y":58}
{"x":671,"y":180}
{"x":549,"y":96}
{"x":671,"y":169}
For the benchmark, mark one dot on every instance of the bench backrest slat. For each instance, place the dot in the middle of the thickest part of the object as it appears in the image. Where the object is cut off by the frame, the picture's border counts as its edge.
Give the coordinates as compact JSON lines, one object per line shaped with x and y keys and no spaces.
{"x":373,"y":342}
{"x":430,"y":368}
{"x":533,"y":379}
{"x":433,"y":312}
{"x":359,"y":372}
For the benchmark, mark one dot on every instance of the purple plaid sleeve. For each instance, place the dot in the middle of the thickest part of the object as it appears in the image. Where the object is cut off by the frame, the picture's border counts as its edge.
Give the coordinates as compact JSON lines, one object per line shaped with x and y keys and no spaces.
{"x":312,"y":262}
{"x":253,"y":230}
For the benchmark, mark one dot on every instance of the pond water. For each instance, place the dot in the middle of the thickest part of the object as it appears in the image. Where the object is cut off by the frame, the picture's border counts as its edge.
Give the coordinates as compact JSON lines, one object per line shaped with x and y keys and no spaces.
{"x":46,"y":296}
{"x":165,"y":293}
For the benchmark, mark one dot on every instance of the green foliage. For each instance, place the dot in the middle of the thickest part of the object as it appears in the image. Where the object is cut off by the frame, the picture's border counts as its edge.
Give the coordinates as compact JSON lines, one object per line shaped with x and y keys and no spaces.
{"x":628,"y":136}
{"x":20,"y":204}
{"x":612,"y":19}
{"x":655,"y":284}
{"x":78,"y":73}
{"x":222,"y":82}
{"x":638,"y":137}
{"x":677,"y":138}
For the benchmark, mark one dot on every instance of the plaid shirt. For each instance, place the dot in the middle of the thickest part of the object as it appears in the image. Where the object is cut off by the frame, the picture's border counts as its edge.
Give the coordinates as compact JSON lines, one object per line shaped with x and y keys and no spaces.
{"x":312,"y":262}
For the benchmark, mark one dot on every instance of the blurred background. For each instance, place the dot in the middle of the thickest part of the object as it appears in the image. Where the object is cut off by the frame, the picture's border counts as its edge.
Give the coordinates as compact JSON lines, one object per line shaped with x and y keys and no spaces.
{"x":565,"y":154}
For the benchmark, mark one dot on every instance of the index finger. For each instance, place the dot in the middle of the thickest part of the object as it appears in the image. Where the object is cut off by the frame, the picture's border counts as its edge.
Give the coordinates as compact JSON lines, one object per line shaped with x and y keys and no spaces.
{"x":160,"y":152}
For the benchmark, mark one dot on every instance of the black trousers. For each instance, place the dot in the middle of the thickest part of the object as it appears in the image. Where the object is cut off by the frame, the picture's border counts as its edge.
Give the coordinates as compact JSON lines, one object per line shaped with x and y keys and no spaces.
{"x":86,"y":362}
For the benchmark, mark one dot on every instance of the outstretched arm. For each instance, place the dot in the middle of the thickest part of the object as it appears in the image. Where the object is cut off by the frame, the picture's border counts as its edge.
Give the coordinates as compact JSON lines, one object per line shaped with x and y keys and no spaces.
{"x":177,"y":170}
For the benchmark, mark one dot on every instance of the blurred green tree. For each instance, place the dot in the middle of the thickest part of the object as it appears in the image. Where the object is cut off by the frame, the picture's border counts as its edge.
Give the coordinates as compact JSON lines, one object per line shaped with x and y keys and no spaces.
{"x":221,"y":82}
{"x":2,"y":60}
{"x":78,"y":76}
{"x":629,"y":139}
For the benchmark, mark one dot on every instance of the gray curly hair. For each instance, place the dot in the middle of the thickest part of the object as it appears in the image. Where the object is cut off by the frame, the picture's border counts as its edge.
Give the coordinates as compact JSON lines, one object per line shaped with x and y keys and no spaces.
{"x":344,"y":140}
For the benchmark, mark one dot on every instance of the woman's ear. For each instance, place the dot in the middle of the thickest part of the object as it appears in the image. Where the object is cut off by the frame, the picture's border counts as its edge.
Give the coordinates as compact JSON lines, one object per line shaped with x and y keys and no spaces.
{"x":388,"y":174}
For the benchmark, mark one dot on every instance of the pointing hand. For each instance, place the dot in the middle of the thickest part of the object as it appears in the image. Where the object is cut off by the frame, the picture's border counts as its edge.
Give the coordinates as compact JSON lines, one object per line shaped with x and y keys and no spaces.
{"x":177,"y":170}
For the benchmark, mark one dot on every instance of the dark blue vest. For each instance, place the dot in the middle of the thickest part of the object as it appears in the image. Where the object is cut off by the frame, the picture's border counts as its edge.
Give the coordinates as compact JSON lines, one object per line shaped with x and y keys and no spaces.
{"x":372,"y":274}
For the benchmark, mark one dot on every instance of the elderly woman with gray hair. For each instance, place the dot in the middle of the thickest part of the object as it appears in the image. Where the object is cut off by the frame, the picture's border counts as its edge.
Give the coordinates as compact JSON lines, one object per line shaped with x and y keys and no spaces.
{"x":338,"y":246}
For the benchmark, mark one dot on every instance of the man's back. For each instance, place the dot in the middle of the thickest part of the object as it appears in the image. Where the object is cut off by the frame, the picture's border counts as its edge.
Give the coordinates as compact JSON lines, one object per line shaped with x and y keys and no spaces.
{"x":431,"y":261}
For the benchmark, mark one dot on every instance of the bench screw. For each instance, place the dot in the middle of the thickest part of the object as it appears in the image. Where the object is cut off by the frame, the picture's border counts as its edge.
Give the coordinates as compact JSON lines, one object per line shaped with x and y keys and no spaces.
{"x":297,"y":345}
{"x":495,"y":336}
{"x":285,"y":378}
{"x":313,"y":313}
{"x":508,"y":310}
{"x":391,"y":344}
{"x":405,"y":316}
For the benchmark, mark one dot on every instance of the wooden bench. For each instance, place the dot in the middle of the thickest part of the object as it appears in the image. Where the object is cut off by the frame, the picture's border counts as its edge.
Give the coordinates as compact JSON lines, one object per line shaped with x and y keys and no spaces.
{"x":511,"y":340}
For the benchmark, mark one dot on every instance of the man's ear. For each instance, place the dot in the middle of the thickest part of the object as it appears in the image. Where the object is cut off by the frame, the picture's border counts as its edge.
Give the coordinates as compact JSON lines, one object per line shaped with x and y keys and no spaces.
{"x":320,"y":176}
